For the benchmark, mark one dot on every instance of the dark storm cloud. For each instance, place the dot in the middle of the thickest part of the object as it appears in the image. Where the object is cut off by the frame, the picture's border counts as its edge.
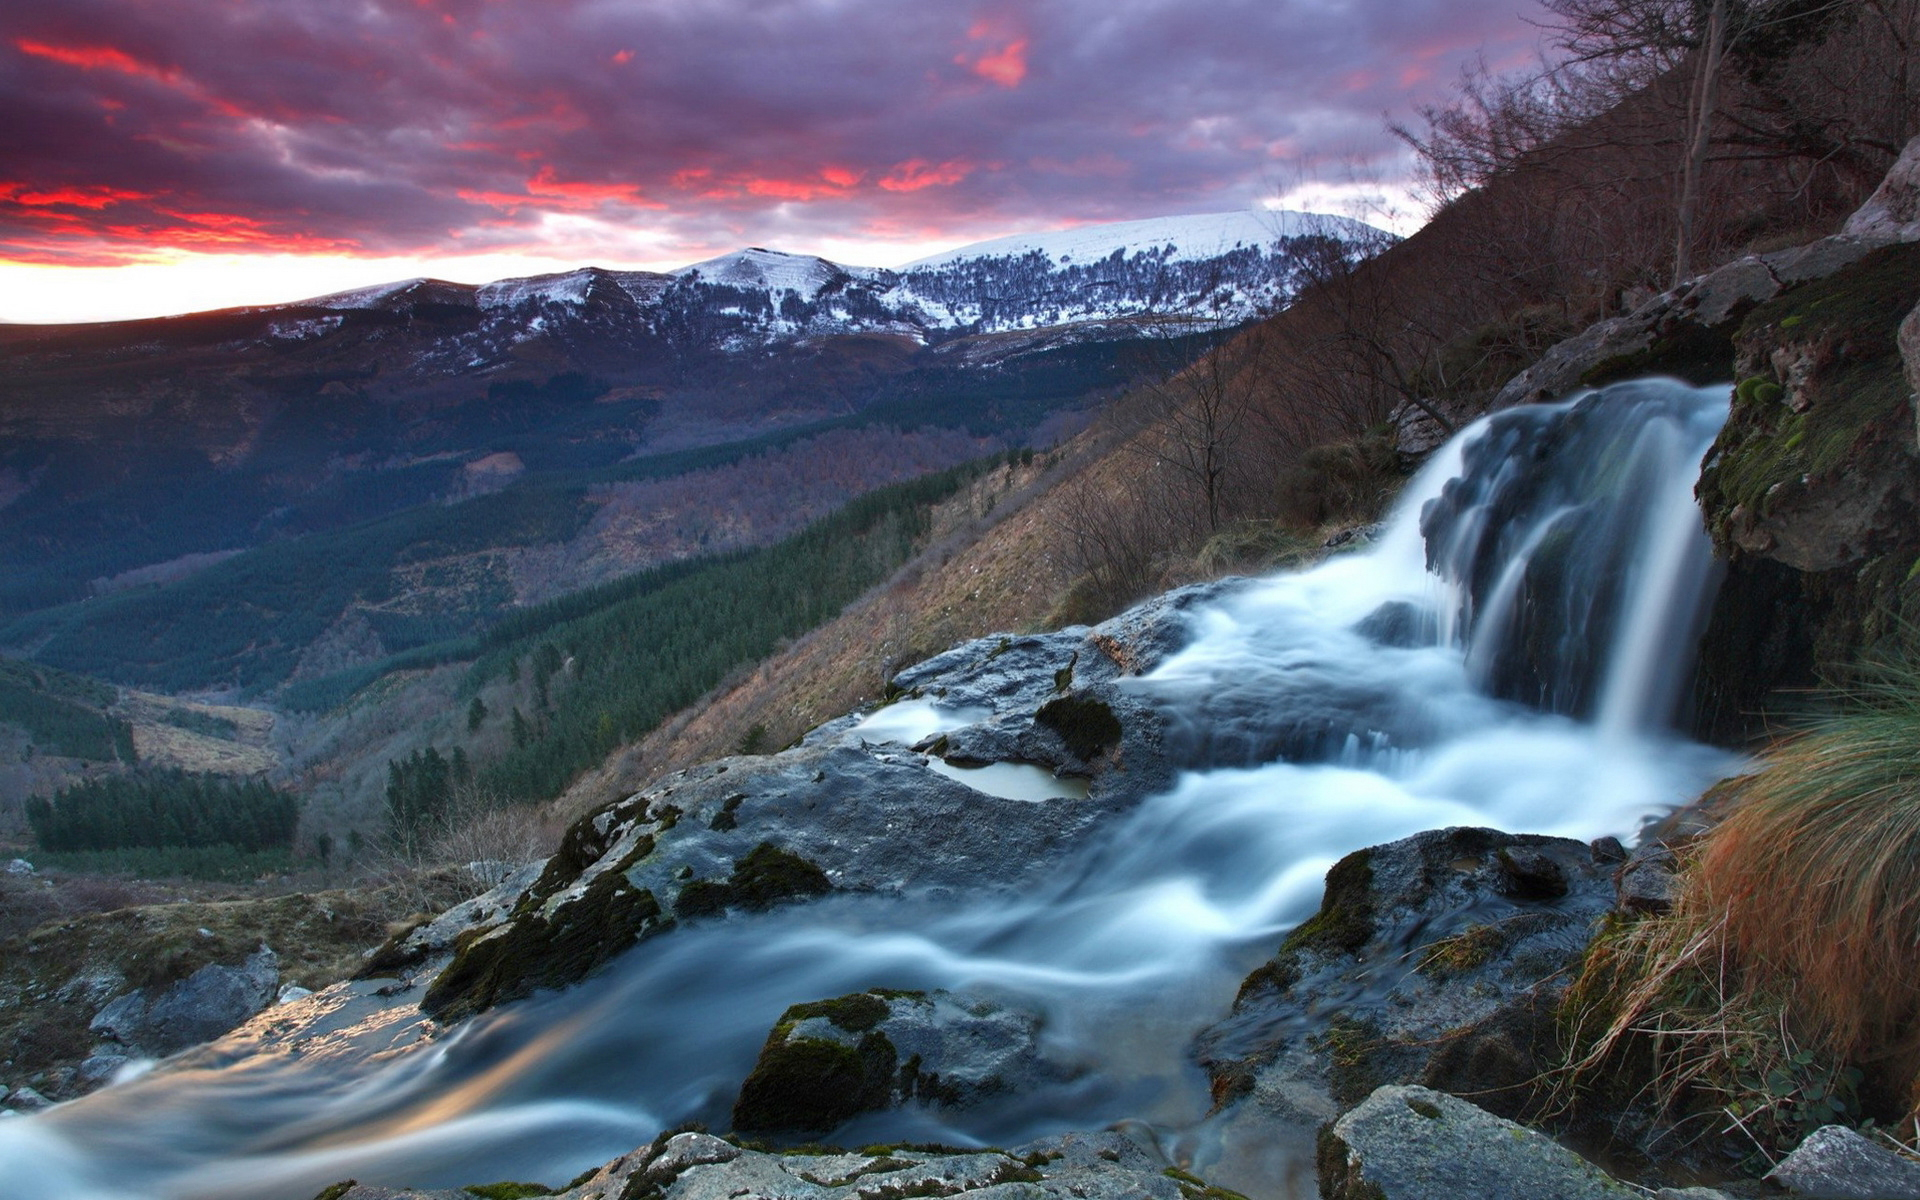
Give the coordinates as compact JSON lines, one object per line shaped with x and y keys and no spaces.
{"x":449,"y":126}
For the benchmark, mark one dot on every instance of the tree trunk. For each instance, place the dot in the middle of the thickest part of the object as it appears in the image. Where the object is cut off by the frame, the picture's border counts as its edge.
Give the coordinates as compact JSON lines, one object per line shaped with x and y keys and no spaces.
{"x":1706,"y":93}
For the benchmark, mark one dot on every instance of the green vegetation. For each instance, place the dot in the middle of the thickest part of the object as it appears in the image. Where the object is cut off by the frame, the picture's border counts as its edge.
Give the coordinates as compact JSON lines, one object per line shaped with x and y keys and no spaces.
{"x":1847,"y":325}
{"x":246,"y":621}
{"x":420,"y":792}
{"x":165,"y":809}
{"x":507,"y":1191}
{"x":764,"y":877}
{"x":211,"y":864}
{"x":63,"y":713}
{"x":194,"y":721}
{"x":647,"y":646}
{"x":813,"y":1084}
{"x":538,"y":949}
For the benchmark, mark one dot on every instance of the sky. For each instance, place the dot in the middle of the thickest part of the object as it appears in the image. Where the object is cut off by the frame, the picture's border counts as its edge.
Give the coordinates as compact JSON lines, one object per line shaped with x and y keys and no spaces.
{"x":163,"y":156}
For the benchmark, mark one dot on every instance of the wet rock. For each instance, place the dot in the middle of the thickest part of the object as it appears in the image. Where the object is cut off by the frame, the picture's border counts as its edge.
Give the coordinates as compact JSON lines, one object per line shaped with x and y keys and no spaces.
{"x":1498,"y":1059}
{"x":27,"y":1100}
{"x":154,"y":1023}
{"x":851,"y":809}
{"x":831,"y":1060}
{"x":1425,"y":961}
{"x":1835,"y":1163}
{"x":1893,"y":211}
{"x":1608,"y":849}
{"x":1400,"y":624}
{"x":1411,"y":1143}
{"x":1528,"y":874}
{"x":99,"y":1069}
{"x":1646,"y":882}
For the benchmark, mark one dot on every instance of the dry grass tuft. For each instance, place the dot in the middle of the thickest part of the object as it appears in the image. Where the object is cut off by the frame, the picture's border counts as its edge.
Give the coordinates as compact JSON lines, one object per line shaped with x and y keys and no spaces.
{"x":1783,"y":991}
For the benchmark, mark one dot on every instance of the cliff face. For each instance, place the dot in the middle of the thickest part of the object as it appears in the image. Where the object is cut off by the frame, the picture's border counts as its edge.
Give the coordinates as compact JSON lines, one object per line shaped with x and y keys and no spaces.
{"x":1812,"y":493}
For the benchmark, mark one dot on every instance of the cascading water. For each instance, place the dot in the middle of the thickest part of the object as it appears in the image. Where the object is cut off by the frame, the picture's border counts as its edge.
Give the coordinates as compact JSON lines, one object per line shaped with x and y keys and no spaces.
{"x":1506,"y":654}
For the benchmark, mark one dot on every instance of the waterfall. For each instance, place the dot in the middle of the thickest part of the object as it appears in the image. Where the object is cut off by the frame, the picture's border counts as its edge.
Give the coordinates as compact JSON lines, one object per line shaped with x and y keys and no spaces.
{"x":1508,"y":652}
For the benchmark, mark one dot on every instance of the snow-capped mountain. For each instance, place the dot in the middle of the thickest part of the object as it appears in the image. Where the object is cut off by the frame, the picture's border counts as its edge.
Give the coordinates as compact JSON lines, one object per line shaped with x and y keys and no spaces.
{"x":1215,"y":267}
{"x":1209,"y":268}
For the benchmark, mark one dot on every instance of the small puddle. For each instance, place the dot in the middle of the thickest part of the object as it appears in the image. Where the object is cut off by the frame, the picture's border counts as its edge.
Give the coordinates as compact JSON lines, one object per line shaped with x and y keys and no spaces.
{"x":1013,"y":781}
{"x":913,"y":721}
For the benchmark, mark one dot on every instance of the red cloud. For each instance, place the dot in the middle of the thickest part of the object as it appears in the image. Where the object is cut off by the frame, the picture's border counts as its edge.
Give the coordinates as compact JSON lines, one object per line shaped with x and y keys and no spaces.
{"x":1006,"y":66}
{"x":917,"y":173}
{"x":89,"y":58}
{"x":69,"y":197}
{"x":544,"y":190}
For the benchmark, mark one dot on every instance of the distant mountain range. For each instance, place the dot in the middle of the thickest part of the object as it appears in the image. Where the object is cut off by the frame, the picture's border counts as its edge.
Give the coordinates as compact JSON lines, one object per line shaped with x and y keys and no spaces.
{"x":1226,"y":267}
{"x":468,"y":449}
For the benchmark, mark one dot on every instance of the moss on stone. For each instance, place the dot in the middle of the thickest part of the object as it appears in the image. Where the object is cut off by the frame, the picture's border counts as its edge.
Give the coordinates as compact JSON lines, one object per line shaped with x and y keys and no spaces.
{"x":507,"y":1191}
{"x":1688,"y":350}
{"x":1345,"y":919}
{"x":336,"y":1190}
{"x":547,"y":950}
{"x":1351,"y":1047}
{"x":769,"y":875}
{"x":1340,"y":1177}
{"x":765,"y":876}
{"x":1192,"y":1187}
{"x":702,"y":898}
{"x":1085,"y":724}
{"x":812,"y":1084}
{"x":1465,"y":951}
{"x":854,"y":1013}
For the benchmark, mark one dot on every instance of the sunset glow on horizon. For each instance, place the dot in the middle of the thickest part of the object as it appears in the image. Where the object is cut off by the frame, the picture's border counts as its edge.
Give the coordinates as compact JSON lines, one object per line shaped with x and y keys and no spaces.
{"x":179,"y":155}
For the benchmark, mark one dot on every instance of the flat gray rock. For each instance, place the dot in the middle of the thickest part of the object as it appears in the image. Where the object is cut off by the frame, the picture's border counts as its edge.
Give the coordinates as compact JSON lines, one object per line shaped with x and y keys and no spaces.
{"x":1835,"y":1163}
{"x":1410,"y":1143}
{"x":1893,"y":211}
{"x":199,"y":1008}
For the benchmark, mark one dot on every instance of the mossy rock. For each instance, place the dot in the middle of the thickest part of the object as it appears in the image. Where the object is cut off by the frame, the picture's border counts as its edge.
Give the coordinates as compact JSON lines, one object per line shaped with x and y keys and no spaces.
{"x":1085,"y":724}
{"x":1687,"y":350}
{"x":762,"y":878}
{"x":810,"y":1085}
{"x":539,"y":950}
{"x":856,"y":1013}
{"x":507,"y":1190}
{"x":1345,"y":921}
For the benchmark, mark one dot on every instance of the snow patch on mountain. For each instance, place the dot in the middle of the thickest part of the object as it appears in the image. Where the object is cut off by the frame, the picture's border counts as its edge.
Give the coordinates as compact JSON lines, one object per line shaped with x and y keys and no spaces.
{"x":1182,"y":239}
{"x":569,"y":288}
{"x":757,"y":269}
{"x":366,"y":297}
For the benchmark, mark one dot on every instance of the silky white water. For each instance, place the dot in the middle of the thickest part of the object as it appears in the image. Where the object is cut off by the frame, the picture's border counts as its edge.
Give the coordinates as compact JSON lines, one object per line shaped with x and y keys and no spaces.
{"x":1508,"y":653}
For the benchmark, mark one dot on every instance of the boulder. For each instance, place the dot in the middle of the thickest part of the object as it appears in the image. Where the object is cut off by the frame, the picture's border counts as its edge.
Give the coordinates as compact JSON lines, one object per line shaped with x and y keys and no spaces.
{"x":26,"y":1100}
{"x":1646,"y":882}
{"x":1432,"y":959}
{"x":1835,"y":1163}
{"x":1893,"y":211}
{"x":154,"y":1023}
{"x":826,"y":1062}
{"x":1412,"y":1143}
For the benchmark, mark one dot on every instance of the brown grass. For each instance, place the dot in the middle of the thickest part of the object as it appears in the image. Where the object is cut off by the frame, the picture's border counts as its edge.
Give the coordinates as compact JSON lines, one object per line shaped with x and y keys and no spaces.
{"x":1783,"y":991}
